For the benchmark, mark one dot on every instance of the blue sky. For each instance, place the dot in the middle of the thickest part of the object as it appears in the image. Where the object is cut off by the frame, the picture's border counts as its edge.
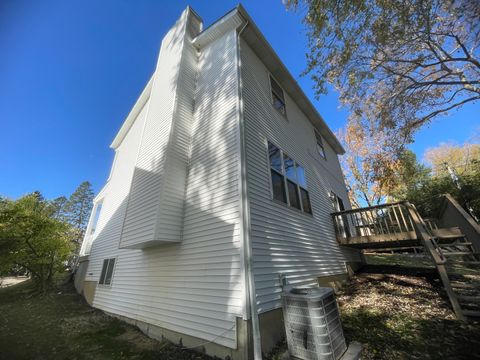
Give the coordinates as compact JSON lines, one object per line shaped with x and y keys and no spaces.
{"x":70,"y":71}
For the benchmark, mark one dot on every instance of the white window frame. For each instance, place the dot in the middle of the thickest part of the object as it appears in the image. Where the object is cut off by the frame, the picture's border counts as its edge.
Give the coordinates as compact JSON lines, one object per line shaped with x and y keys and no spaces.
{"x":92,"y":228}
{"x":272,"y":100}
{"x":106,"y":272}
{"x":319,"y":144}
{"x":285,"y":179}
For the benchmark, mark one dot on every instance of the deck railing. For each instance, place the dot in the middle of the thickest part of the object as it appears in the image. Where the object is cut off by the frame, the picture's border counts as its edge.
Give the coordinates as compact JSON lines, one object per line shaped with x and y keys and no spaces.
{"x":388,"y":222}
{"x":397,"y":223}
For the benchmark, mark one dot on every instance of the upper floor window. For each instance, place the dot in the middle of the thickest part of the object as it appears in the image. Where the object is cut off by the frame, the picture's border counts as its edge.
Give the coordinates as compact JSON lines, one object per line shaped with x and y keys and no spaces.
{"x":107,"y":272}
{"x":320,"y":147}
{"x":96,"y":215}
{"x":288,"y":180}
{"x":278,"y":98}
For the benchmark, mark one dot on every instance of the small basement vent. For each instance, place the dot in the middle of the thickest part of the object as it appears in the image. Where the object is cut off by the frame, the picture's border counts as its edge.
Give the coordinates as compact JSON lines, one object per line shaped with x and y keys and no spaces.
{"x":313,"y":327}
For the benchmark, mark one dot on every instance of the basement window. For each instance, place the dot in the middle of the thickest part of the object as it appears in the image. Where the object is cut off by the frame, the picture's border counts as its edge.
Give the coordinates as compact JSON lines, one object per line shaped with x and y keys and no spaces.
{"x":320,"y":147}
{"x":288,"y":180}
{"x":278,"y":98}
{"x":107,"y":272}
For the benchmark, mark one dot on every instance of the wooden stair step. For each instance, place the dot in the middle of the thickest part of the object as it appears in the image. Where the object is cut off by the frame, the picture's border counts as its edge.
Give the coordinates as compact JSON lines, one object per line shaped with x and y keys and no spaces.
{"x":458,"y":253}
{"x":463,"y":285}
{"x":448,"y":233}
{"x":474,"y":298}
{"x":471,"y":313}
{"x":472,"y":290}
{"x":468,"y":262}
{"x":455,"y":244}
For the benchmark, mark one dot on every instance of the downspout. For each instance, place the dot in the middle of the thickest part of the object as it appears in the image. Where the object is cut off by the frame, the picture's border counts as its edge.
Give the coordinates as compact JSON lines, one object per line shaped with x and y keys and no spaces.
{"x":251,"y":308}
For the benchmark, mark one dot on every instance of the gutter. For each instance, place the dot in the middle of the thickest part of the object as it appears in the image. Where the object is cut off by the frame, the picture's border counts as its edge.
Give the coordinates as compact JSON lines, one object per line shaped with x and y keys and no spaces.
{"x":250,"y":308}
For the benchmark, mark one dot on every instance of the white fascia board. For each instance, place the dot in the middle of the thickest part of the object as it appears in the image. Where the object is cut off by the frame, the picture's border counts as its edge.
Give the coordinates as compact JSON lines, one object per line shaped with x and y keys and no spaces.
{"x":101,"y":193}
{"x":127,"y":124}
{"x":230,"y":21}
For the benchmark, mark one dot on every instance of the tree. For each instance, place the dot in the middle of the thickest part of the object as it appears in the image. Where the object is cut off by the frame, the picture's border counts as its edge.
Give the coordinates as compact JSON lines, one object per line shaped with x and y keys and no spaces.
{"x":370,"y":164}
{"x":411,"y":175}
{"x":57,"y":206}
{"x":396,"y":63}
{"x":424,"y":187}
{"x":426,"y":196}
{"x":30,"y":237}
{"x":459,"y":157}
{"x":78,"y":208}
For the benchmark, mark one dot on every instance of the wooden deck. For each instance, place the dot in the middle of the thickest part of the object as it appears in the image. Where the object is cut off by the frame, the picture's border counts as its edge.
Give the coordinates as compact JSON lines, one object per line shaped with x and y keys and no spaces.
{"x":399,"y":225}
{"x":402,"y":239}
{"x":376,"y":227}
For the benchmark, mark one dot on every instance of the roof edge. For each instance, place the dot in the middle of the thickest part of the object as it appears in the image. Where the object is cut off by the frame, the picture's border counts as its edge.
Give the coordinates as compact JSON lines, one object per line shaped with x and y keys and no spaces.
{"x":293,"y":89}
{"x":127,"y":124}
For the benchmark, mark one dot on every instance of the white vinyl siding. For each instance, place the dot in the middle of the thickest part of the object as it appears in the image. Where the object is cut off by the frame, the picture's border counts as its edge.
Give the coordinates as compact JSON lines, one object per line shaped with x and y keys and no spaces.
{"x":193,"y":287}
{"x":155,"y":203}
{"x":286,"y":240}
{"x":109,"y":225}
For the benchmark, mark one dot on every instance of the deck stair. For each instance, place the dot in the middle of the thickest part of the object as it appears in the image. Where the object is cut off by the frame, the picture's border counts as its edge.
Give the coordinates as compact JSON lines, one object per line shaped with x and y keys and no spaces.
{"x":399,"y":225}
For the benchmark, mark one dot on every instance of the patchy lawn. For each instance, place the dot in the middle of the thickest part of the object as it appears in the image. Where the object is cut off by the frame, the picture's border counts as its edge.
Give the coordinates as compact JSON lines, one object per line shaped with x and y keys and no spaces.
{"x":60,"y":325}
{"x":396,"y":307}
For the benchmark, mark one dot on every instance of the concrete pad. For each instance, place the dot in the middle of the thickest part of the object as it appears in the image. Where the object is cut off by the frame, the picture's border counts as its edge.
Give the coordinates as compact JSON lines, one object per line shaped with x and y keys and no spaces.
{"x":353,"y":352}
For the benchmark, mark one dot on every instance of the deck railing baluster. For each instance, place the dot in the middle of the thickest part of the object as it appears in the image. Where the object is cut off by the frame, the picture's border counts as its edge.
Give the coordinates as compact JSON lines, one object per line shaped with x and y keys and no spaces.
{"x":384,"y":218}
{"x":374,"y":224}
{"x":391,"y":219}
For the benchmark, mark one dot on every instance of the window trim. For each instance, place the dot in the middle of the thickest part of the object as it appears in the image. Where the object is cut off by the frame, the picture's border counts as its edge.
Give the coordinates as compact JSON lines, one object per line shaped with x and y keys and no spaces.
{"x":285,"y":180}
{"x":319,"y":144}
{"x":92,"y":229}
{"x":108,"y":260}
{"x":272,"y":92}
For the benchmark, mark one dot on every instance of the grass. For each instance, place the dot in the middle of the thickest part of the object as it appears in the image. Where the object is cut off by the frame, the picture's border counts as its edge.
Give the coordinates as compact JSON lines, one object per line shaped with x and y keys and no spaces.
{"x":396,"y":307}
{"x":60,"y":325}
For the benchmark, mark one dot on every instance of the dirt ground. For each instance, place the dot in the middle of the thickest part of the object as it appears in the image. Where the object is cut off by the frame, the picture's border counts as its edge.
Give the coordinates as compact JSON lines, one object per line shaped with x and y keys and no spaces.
{"x":396,"y":307}
{"x":404,"y":314}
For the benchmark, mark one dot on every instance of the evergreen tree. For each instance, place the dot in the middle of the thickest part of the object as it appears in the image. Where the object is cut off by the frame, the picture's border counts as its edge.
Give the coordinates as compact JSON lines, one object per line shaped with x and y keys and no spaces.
{"x":57,"y":207}
{"x":78,"y":208}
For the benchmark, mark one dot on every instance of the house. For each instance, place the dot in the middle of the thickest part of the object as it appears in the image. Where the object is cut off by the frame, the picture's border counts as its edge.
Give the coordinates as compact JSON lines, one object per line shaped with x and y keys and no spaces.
{"x":223,"y":182}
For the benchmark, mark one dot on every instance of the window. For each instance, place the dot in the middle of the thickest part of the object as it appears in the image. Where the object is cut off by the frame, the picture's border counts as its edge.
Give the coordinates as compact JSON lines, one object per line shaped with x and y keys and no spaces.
{"x":288,"y":180}
{"x":320,"y":147}
{"x":278,"y":99}
{"x":337,"y":202}
{"x":107,"y":271}
{"x":341,"y":223}
{"x":278,"y":186}
{"x":96,"y":216}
